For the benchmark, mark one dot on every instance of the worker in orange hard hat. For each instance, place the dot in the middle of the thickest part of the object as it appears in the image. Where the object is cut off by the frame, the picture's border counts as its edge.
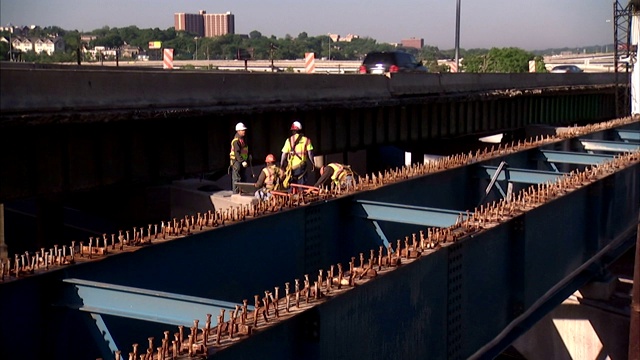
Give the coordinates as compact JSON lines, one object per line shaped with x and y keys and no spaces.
{"x":335,"y":175}
{"x":239,"y":155}
{"x":296,"y":153}
{"x":270,"y":178}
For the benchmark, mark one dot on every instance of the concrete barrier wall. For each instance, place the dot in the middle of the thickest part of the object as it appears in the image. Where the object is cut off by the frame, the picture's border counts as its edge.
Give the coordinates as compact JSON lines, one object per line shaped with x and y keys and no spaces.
{"x":448,"y":83}
{"x":78,"y":89}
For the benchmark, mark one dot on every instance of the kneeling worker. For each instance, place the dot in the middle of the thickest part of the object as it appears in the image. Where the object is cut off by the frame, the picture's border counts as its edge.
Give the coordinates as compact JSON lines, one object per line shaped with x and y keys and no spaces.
{"x":270,"y":178}
{"x":340,"y":175}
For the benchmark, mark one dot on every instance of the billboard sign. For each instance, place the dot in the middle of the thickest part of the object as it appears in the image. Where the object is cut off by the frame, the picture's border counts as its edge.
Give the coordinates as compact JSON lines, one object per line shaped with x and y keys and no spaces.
{"x":155,"y":45}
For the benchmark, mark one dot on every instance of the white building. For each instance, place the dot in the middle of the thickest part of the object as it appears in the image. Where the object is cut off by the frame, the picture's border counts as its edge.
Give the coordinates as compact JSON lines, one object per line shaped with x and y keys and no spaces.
{"x":38,"y":45}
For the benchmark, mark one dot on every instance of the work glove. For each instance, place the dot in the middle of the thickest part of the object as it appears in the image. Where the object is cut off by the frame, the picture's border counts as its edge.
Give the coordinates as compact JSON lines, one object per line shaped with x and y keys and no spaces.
{"x":244,"y":164}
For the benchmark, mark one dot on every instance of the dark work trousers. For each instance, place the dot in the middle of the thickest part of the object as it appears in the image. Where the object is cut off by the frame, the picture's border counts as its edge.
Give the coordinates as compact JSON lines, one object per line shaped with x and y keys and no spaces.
{"x":299,"y":175}
{"x":238,"y":174}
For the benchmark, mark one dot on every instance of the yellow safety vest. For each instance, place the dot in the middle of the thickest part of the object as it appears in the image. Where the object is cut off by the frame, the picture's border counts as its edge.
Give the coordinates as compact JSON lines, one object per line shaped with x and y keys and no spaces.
{"x":339,"y":173}
{"x":244,"y":150}
{"x":272,"y":177}
{"x":297,"y":147}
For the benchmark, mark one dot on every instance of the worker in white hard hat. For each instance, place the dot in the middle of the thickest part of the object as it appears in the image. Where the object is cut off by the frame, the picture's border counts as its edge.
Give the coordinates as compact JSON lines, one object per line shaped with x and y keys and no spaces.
{"x":239,"y":155}
{"x":270,"y":178}
{"x":296,"y":153}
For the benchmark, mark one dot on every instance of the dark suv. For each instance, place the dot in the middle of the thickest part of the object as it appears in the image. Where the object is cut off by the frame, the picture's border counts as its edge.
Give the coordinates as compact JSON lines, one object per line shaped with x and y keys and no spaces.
{"x":390,"y":62}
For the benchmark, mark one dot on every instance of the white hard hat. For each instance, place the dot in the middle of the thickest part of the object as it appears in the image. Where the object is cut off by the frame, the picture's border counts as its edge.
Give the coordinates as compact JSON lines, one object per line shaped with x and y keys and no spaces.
{"x":240,"y":126}
{"x":296,"y":126}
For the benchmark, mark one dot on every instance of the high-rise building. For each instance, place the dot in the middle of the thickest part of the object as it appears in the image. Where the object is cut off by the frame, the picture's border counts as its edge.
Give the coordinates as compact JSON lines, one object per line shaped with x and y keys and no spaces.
{"x":193,"y":23}
{"x":219,"y":24}
{"x":203,"y":24}
{"x":413,"y":43}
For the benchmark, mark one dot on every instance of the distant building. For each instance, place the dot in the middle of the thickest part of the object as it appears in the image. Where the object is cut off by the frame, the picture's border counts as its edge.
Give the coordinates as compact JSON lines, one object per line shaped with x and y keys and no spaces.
{"x":38,"y":45}
{"x":48,"y":45}
{"x":87,"y":38}
{"x":348,"y":38}
{"x":193,"y":23}
{"x":129,"y":51}
{"x":205,"y":25}
{"x":413,"y":43}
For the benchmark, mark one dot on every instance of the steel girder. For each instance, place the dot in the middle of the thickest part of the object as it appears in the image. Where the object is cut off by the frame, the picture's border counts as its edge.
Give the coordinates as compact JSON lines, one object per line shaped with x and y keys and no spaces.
{"x":466,"y":299}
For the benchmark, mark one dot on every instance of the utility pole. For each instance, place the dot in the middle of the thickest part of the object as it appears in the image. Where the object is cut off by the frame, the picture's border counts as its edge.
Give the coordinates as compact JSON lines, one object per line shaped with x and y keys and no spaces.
{"x":458,"y":35}
{"x":196,"y":57}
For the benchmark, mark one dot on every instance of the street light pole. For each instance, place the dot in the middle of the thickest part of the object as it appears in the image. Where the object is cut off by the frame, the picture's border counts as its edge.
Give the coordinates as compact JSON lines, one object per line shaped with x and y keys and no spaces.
{"x":458,"y":35}
{"x":196,"y":48}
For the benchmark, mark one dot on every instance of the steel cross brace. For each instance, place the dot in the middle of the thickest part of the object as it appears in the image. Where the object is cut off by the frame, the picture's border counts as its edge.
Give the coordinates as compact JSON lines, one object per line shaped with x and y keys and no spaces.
{"x":566,"y":157}
{"x":406,"y":214}
{"x":517,"y":175}
{"x":611,"y":146}
{"x":142,"y":304}
{"x":629,"y":135}
{"x":503,"y":166}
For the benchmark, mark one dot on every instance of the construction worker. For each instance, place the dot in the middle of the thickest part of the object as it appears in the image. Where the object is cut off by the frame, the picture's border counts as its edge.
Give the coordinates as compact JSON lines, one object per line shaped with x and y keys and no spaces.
{"x":270,"y":178}
{"x":296,"y":151}
{"x":239,"y":155}
{"x":338,"y":174}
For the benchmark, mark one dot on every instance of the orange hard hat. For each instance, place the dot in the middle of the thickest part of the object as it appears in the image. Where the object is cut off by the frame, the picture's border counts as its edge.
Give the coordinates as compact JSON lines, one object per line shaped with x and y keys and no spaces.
{"x":270,"y":159}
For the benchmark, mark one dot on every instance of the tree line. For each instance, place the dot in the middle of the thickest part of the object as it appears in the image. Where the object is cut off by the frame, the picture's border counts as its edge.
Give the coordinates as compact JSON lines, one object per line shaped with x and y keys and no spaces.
{"x":188,"y":46}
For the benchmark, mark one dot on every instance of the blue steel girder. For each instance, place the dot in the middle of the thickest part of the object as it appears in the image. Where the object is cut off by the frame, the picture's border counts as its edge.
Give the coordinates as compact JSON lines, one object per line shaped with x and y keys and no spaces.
{"x":628,"y":135}
{"x":406,"y":214}
{"x":518,"y":175}
{"x":474,"y":297}
{"x":141,"y":304}
{"x":575,"y":158}
{"x":610,"y":146}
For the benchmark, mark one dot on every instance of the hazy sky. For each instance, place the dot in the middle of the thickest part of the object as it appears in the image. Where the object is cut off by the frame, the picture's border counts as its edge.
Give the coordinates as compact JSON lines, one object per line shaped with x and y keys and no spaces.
{"x":530,"y":25}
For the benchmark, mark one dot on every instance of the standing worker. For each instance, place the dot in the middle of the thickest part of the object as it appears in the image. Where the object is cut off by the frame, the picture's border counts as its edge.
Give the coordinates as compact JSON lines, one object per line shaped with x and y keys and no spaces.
{"x":295,"y":152}
{"x":239,"y":155}
{"x":340,"y":175}
{"x":270,"y":178}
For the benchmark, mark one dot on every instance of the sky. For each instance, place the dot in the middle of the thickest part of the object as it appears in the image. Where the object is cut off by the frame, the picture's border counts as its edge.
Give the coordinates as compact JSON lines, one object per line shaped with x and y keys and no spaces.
{"x":529,"y":25}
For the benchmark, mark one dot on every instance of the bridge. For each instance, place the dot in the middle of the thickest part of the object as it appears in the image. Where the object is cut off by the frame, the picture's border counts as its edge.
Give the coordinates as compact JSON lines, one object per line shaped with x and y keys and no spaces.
{"x":399,"y":256}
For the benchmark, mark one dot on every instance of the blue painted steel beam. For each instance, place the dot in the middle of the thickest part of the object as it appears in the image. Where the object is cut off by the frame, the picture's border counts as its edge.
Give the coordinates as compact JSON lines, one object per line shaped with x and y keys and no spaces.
{"x":142,"y":304}
{"x":629,"y":135}
{"x":611,"y":146}
{"x":573,"y":157}
{"x":406,"y":214}
{"x":519,"y":175}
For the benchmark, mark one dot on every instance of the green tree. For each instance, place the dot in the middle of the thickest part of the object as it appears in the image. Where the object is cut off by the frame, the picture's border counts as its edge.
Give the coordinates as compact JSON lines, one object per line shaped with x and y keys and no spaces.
{"x":498,"y":60}
{"x":255,"y":34}
{"x":4,"y":51}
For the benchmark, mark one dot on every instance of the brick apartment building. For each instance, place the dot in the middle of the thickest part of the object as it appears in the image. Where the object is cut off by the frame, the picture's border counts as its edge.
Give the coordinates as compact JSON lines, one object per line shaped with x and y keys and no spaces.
{"x":413,"y":43}
{"x":205,"y":25}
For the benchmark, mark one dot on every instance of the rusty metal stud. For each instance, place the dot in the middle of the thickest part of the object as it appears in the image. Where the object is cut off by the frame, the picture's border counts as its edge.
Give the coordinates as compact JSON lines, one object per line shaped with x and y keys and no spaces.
{"x":256,"y":309}
{"x":286,"y":295}
{"x":243,"y":316}
{"x":190,"y":342}
{"x":232,"y":320}
{"x":135,"y":350}
{"x":219,"y":329}
{"x":174,"y":349}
